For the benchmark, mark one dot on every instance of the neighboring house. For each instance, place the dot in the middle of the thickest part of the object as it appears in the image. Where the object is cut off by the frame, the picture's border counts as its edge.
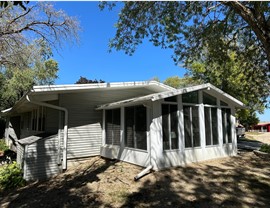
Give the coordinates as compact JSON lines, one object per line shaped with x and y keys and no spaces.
{"x":144,"y":123}
{"x":262,"y":127}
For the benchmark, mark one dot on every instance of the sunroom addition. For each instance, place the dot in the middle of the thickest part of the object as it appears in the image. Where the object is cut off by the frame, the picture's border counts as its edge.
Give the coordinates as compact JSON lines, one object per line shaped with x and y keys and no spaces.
{"x":171,"y":128}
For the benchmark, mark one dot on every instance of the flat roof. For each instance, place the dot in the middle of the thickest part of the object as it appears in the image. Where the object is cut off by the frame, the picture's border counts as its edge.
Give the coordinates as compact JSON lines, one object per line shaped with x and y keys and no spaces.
{"x":95,"y":86}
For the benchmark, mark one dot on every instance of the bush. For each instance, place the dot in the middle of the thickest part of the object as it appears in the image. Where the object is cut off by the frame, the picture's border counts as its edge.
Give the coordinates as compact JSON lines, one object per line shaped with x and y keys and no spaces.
{"x":11,"y":176}
{"x":3,"y":146}
{"x":265,"y":148}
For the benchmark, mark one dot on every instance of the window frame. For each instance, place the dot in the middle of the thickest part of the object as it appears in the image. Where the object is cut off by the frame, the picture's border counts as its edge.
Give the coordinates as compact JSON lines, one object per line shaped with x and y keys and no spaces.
{"x":226,"y":130}
{"x":169,"y":125}
{"x":134,"y":137}
{"x":209,"y":108}
{"x":191,"y":125}
{"x":112,"y":130}
{"x":38,"y":116}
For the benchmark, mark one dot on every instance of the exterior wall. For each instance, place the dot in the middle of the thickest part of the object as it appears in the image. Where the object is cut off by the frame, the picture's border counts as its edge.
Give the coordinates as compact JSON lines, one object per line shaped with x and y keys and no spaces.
{"x":41,"y":159}
{"x":12,"y":132}
{"x":51,"y":119}
{"x":20,"y":155}
{"x":85,"y":123}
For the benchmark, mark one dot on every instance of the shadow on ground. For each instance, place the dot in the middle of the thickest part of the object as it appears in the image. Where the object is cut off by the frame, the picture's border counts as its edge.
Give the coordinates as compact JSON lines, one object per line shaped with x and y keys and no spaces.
{"x":60,"y":193}
{"x":233,"y":183}
{"x":241,"y":181}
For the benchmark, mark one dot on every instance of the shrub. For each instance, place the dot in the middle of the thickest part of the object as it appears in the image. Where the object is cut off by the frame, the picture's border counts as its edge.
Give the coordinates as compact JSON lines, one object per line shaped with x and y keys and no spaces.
{"x":265,"y":148}
{"x":3,"y":145}
{"x":11,"y":176}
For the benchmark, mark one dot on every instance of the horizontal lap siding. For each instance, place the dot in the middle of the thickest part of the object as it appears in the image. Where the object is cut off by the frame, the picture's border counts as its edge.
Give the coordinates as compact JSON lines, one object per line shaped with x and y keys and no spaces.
{"x":41,"y":159}
{"x":20,"y":155}
{"x":85,"y":123}
{"x":52,"y":117}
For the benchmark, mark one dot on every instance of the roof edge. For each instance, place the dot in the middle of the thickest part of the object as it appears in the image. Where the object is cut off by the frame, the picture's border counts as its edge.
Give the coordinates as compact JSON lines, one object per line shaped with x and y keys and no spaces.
{"x":44,"y":88}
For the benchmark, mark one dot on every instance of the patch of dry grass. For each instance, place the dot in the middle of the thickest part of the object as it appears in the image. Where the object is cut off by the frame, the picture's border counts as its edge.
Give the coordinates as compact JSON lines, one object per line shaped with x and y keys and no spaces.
{"x":240,"y":181}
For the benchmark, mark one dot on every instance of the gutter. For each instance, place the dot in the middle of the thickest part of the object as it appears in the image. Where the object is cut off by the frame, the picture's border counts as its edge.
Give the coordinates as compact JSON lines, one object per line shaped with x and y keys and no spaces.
{"x":65,"y":125}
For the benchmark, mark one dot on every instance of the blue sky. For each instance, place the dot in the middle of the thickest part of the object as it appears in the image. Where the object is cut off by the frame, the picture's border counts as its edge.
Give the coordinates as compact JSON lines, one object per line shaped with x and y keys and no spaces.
{"x":92,"y":60}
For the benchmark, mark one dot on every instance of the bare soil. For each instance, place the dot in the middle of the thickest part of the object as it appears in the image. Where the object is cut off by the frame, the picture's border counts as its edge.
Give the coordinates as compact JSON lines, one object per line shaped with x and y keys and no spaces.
{"x":263,"y":137}
{"x":240,"y":181}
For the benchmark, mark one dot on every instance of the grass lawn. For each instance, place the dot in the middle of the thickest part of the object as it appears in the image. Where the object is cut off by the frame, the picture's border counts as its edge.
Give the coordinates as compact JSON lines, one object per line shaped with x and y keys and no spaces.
{"x":240,"y":181}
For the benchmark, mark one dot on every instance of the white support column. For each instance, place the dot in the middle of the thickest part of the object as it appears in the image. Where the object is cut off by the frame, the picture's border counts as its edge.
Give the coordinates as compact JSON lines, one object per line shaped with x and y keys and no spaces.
{"x":122,"y":129}
{"x":181,"y":137}
{"x":149,"y":118}
{"x":103,"y":128}
{"x":233,"y":131}
{"x":219,"y":124}
{"x":156,"y":136}
{"x":201,"y":120}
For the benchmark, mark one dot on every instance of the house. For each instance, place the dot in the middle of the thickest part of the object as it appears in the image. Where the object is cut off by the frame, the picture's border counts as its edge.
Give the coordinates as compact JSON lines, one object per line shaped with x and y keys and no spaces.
{"x":144,"y":123}
{"x":262,"y":127}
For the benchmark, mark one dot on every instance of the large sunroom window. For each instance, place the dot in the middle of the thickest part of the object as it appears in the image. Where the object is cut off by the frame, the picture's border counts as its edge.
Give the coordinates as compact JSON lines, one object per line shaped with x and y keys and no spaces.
{"x":226,"y":125}
{"x":191,"y":126}
{"x":135,"y":127}
{"x":112,"y":126}
{"x":170,"y":126}
{"x":211,"y":128}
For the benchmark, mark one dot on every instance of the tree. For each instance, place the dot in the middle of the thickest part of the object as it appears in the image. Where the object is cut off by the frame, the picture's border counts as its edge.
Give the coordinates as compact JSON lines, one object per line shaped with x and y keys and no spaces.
{"x":235,"y":79}
{"x":21,"y":27}
{"x":15,"y":81}
{"x":178,"y":82}
{"x":194,"y":29}
{"x":84,"y":80}
{"x":188,"y":26}
{"x":28,"y":32}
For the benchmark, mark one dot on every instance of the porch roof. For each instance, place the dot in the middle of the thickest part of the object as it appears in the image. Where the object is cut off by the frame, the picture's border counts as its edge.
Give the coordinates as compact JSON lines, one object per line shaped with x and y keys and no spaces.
{"x":50,"y":92}
{"x":162,"y":95}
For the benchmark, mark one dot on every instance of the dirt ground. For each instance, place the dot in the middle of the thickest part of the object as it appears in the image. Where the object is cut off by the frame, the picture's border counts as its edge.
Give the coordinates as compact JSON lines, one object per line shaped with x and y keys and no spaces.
{"x":263,"y":137}
{"x":240,"y":181}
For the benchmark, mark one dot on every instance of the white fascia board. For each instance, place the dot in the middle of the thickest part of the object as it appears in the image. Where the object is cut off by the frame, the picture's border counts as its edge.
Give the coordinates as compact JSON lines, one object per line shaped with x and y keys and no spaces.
{"x":125,"y":102}
{"x":179,"y":91}
{"x":162,"y":95}
{"x":237,"y":102}
{"x":6,"y":111}
{"x":51,"y":88}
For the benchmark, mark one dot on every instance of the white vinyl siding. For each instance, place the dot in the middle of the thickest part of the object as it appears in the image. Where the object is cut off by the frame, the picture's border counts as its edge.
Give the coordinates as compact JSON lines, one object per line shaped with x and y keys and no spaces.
{"x":40,"y":159}
{"x":85,"y":123}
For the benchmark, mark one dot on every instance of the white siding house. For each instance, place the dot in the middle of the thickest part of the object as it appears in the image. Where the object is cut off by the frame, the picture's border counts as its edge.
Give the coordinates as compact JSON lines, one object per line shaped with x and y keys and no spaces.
{"x":144,"y":123}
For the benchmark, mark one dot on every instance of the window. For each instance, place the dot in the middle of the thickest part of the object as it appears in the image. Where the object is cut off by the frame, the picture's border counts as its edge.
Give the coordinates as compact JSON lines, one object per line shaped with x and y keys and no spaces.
{"x":38,"y":119}
{"x":223,"y":103}
{"x":171,"y":99}
{"x":208,"y":99}
{"x":170,"y":126}
{"x":191,"y":126}
{"x":226,"y":125}
{"x":112,"y":126}
{"x":191,"y":97}
{"x":211,"y":128}
{"x":135,"y":127}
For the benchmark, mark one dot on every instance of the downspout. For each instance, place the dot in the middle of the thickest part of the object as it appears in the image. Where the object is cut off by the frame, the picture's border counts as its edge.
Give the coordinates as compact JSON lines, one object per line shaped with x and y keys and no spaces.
{"x":65,"y":125}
